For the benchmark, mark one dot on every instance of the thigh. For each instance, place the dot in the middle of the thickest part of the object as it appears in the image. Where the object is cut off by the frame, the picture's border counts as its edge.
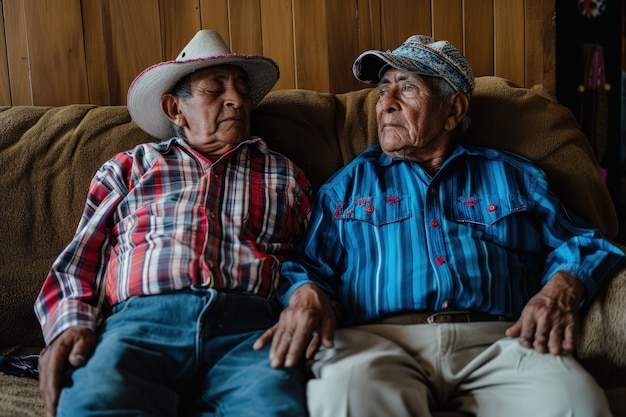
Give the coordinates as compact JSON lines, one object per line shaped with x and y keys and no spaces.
{"x":366,"y":374}
{"x":241,"y":382}
{"x":238,"y":380}
{"x":138,"y":359}
{"x":509,"y":379}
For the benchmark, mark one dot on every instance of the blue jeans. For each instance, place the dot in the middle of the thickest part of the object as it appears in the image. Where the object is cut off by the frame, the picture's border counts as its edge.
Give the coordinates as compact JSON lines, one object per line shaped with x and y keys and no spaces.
{"x":185,"y":354}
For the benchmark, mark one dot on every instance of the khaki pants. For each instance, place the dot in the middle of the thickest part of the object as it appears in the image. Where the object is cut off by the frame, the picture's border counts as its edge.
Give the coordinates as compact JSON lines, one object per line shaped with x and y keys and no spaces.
{"x":470,"y":368}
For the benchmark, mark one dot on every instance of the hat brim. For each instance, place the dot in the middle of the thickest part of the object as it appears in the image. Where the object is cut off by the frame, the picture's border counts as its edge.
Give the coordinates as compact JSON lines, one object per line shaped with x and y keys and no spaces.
{"x":368,"y":65}
{"x":145,"y":92}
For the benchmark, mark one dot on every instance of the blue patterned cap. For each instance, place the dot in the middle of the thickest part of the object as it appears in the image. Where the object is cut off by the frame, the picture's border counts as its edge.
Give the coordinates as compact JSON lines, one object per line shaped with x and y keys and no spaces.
{"x":422,"y":55}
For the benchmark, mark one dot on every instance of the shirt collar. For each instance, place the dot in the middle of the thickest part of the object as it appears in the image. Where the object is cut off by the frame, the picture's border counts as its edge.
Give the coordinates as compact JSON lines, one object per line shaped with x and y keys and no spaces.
{"x":384,"y":159}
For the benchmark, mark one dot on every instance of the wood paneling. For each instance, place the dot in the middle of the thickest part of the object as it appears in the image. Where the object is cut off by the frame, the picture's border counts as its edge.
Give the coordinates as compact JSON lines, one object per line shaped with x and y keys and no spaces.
{"x":278,"y":41}
{"x":5,"y":88}
{"x":448,"y":21}
{"x":311,"y":49}
{"x":509,"y":50}
{"x":55,"y":52}
{"x":479,"y":36}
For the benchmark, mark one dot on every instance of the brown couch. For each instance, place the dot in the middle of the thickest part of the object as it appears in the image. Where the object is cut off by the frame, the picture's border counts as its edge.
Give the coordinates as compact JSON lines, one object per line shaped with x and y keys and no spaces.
{"x":49,"y":154}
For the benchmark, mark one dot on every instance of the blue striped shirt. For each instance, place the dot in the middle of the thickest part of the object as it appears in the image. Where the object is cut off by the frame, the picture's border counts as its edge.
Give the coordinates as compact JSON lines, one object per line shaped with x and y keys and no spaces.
{"x":484,"y":234}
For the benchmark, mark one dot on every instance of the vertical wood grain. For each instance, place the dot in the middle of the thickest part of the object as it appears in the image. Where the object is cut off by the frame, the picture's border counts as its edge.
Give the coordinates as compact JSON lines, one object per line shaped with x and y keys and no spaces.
{"x":214,"y":16}
{"x":277,"y":28}
{"x":479,"y":35}
{"x":95,"y":54}
{"x":93,"y":49}
{"x":310,"y":45}
{"x":448,"y":21}
{"x":343,"y":42}
{"x":509,"y":38}
{"x":5,"y":87}
{"x":63,"y":52}
{"x":403,"y":18}
{"x":17,"y":53}
{"x":132,"y":39}
{"x":245,"y":27}
{"x":540,"y":42}
{"x":180,"y":20}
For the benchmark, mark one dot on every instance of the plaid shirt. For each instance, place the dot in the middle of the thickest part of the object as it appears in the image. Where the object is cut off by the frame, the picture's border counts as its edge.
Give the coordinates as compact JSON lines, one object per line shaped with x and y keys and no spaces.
{"x":161,"y":217}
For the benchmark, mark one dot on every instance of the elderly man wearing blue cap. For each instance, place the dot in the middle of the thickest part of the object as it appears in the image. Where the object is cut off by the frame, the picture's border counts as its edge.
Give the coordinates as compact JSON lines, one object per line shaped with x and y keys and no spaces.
{"x":453,"y":273}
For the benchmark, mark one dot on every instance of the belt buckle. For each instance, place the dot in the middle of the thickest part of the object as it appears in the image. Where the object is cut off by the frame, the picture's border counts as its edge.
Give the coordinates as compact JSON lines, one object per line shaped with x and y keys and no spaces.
{"x":432,"y":319}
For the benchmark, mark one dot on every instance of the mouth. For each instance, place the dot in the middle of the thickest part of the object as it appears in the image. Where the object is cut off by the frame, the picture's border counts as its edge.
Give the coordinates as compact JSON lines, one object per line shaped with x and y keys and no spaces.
{"x":231,"y":119}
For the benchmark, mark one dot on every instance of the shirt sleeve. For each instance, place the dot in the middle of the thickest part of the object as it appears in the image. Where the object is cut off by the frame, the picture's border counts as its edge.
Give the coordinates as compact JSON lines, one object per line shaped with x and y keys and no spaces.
{"x":318,"y":256}
{"x":574,"y":247}
{"x":71,"y":294}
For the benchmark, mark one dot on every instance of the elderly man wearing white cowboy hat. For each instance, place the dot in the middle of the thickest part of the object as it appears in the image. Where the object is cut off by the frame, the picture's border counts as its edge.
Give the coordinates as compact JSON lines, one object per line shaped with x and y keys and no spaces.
{"x":458,"y":275}
{"x":153,"y":307}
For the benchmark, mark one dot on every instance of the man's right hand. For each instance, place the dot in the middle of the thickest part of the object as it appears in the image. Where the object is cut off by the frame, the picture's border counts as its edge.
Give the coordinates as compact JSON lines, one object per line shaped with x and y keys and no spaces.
{"x":72,"y":348}
{"x":308,"y":322}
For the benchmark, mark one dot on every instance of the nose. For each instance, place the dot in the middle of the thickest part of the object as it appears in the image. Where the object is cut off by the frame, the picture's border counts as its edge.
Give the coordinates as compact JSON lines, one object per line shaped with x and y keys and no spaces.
{"x":232,"y":96}
{"x":388,"y":102}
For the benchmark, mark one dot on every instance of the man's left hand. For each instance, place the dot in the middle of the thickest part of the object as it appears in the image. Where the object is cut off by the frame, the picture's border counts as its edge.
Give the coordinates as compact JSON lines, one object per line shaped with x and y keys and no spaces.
{"x":549,"y":321}
{"x":308,"y":322}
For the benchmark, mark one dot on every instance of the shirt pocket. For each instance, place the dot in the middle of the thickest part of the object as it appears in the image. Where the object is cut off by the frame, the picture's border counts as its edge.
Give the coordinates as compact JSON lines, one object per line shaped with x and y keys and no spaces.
{"x":494,"y":217}
{"x":375,"y":210}
{"x":487,"y":210}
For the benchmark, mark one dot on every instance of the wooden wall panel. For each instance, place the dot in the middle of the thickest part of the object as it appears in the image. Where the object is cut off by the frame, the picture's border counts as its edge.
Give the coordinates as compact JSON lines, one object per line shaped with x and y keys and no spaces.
{"x":132,"y":38}
{"x":343,"y":44}
{"x":278,"y":42}
{"x":479,"y":35}
{"x":180,"y":20}
{"x":17,"y":52}
{"x":95,"y":54}
{"x":540,"y":59}
{"x":245,"y":27}
{"x":509,"y":35}
{"x":5,"y":86}
{"x":403,"y":18}
{"x":448,"y":21}
{"x":311,"y":54}
{"x":93,"y":49}
{"x":214,"y":15}
{"x":57,"y":66}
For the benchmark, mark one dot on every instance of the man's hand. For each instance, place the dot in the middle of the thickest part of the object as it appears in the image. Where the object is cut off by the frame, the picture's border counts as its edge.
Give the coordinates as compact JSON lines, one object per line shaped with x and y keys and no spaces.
{"x":73,"y":347}
{"x":549,"y":321}
{"x":308,"y":321}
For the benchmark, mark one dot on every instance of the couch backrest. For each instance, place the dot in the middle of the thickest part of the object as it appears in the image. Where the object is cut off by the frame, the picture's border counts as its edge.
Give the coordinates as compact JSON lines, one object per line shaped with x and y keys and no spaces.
{"x":48,"y":156}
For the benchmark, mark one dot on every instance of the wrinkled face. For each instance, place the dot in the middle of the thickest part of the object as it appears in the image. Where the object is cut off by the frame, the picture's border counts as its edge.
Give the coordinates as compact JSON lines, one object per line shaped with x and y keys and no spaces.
{"x":216,"y":117}
{"x":411,"y":116}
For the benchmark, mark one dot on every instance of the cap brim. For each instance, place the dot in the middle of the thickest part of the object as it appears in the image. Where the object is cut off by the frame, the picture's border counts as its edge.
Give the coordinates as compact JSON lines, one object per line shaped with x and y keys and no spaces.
{"x":368,"y":65}
{"x":145,"y":92}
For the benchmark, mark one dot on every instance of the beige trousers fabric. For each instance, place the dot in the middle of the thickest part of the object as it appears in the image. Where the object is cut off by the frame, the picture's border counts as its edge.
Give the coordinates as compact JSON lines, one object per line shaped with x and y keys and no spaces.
{"x":470,"y":368}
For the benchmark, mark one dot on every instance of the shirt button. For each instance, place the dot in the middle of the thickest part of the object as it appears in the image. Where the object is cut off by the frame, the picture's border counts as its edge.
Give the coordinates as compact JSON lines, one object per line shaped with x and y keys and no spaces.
{"x":432,"y":190}
{"x":439,"y":260}
{"x":434,"y":223}
{"x":492,"y":207}
{"x":369,"y":209}
{"x":444,"y":305}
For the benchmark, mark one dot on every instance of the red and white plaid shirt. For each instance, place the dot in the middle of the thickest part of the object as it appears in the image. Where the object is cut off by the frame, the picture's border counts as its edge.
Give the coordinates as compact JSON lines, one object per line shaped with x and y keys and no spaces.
{"x":161,"y":217}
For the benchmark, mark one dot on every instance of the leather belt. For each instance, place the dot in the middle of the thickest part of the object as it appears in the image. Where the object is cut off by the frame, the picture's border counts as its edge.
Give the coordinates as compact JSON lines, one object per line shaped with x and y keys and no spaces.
{"x":432,"y":317}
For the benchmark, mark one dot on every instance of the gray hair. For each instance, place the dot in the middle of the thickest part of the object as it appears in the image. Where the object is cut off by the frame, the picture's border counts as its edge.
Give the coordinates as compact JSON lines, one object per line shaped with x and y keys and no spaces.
{"x":445,"y":91}
{"x":181,"y":89}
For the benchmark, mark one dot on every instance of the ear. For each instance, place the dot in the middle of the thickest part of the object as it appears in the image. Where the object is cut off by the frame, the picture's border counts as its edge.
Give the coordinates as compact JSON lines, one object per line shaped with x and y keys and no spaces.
{"x":459,"y":103}
{"x":171,"y":108}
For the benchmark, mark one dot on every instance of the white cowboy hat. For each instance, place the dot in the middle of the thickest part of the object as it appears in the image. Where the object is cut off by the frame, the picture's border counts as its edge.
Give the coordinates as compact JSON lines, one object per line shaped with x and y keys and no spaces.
{"x":206,"y":49}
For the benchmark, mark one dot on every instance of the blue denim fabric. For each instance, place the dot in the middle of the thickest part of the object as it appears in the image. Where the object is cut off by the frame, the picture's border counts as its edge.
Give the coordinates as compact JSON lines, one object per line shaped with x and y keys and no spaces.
{"x":185,"y":354}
